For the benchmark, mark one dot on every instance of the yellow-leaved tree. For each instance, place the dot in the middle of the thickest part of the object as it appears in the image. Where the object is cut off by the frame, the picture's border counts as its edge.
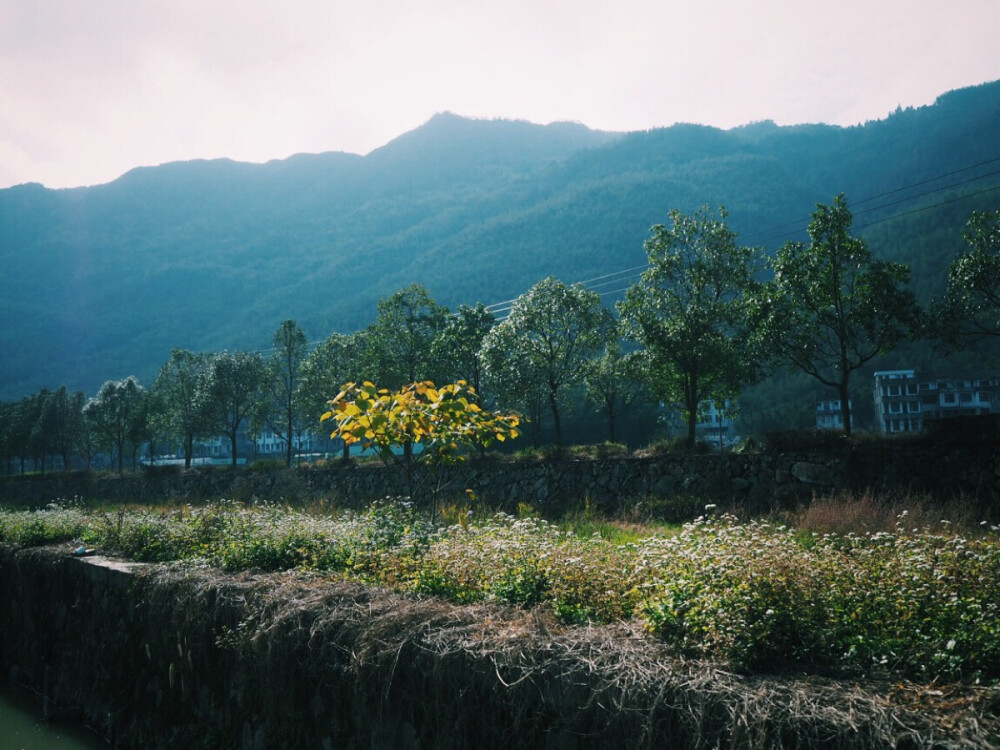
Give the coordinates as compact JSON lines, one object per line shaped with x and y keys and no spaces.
{"x":439,"y":424}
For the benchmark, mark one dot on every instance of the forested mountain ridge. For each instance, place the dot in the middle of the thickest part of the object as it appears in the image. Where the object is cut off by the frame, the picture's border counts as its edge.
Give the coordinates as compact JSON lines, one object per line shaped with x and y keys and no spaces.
{"x":101,"y":282}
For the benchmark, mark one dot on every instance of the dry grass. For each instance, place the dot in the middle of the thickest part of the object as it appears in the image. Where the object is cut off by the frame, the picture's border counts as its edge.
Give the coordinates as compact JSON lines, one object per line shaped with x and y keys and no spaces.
{"x":487,"y":676}
{"x":868,"y":513}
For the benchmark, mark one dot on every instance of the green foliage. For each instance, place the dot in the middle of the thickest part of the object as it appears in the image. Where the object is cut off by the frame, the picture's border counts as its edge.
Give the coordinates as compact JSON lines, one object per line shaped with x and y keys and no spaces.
{"x":475,"y":210}
{"x":916,"y":602}
{"x":178,"y":382}
{"x":455,"y":348}
{"x":689,"y":311}
{"x":399,"y":342}
{"x":282,"y":406}
{"x":537,"y":353}
{"x":230,"y":392}
{"x":911,"y":601}
{"x":615,"y":381}
{"x":114,"y":416}
{"x":970,"y":308}
{"x":832,"y":307}
{"x":339,"y":359}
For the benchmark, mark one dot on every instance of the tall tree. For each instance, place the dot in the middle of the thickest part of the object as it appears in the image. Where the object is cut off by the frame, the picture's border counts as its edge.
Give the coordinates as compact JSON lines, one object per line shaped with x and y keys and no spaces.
{"x":456,"y":347}
{"x":831,"y":306}
{"x":178,"y":383}
{"x":46,"y":416}
{"x":286,"y":363}
{"x":400,"y":339}
{"x":540,"y":348}
{"x":689,"y":311}
{"x":970,"y":309}
{"x":230,"y":388}
{"x":113,"y":415}
{"x":66,"y":423}
{"x":338,"y":360}
{"x":8,"y":415}
{"x":614,"y":382}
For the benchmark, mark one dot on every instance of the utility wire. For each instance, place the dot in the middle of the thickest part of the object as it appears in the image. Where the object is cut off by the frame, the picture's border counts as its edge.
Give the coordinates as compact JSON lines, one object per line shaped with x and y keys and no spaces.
{"x":502,"y":309}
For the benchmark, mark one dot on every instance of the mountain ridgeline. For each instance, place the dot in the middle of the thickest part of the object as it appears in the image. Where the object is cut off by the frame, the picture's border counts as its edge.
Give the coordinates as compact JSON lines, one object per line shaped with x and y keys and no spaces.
{"x":102,"y":282}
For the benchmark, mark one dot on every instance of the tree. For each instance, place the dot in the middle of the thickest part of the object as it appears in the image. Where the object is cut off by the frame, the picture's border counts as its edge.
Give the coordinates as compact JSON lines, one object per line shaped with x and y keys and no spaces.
{"x":286,"y":363}
{"x":339,"y":359}
{"x":66,"y":423}
{"x":178,"y":383}
{"x":22,"y":418}
{"x":8,"y":413}
{"x":456,"y":347}
{"x":113,"y":415}
{"x":689,"y":311}
{"x":513,"y":384}
{"x":442,"y":421}
{"x":970,"y":309}
{"x":400,"y":339}
{"x":153,"y":428}
{"x":230,"y":391}
{"x":540,"y":348}
{"x":45,"y":411}
{"x":614,"y":381}
{"x":831,"y":306}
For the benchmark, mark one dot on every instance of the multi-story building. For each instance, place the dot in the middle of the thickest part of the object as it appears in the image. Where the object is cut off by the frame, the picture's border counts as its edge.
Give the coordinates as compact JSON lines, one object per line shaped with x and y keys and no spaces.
{"x":830,"y":414}
{"x":905,"y":402}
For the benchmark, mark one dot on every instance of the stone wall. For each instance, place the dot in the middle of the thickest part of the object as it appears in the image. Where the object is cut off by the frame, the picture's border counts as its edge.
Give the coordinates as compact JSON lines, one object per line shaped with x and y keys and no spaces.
{"x":154,"y":657}
{"x":756,"y":481}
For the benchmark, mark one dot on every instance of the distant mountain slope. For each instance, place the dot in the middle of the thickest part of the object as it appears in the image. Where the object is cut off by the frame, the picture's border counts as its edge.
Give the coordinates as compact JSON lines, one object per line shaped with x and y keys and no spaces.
{"x":102,"y":282}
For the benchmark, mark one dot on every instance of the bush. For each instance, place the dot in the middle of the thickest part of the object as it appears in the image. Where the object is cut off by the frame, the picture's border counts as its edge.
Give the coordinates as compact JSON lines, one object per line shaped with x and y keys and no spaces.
{"x":797,"y":441}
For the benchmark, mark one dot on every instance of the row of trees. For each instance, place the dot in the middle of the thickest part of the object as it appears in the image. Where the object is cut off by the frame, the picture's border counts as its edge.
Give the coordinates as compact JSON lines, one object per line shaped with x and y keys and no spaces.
{"x":708,"y":317}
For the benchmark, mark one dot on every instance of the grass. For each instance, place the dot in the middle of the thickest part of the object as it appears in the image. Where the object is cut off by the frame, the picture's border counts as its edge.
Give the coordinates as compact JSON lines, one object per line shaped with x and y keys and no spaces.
{"x":896,"y":595}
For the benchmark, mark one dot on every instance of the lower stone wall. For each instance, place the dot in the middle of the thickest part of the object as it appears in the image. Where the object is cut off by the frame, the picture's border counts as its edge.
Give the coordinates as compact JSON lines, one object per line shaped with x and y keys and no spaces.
{"x":755,"y":481}
{"x":154,"y":657}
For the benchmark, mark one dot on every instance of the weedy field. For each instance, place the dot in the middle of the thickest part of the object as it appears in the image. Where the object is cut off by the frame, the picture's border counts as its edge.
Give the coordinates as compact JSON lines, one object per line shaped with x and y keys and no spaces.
{"x":914,"y":601}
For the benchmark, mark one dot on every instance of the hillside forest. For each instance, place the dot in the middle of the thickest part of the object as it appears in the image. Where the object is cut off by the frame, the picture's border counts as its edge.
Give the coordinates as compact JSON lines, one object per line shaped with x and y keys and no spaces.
{"x":412,"y":263}
{"x":706,"y":319}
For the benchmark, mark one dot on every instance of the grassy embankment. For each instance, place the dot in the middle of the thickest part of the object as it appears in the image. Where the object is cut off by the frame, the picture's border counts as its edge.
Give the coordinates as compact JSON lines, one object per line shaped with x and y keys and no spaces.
{"x":886,"y":592}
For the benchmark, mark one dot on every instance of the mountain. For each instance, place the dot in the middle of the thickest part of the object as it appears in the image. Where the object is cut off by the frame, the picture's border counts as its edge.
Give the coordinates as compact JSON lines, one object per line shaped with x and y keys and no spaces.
{"x":102,"y":282}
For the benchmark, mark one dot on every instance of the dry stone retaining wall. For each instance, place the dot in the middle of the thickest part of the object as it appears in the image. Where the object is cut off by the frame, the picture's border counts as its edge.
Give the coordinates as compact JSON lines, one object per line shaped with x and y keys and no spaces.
{"x":758,"y":481}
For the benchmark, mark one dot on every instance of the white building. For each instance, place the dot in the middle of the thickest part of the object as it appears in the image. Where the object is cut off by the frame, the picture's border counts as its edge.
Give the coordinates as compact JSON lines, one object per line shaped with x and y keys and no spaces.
{"x":905,"y":402}
{"x":830,"y":414}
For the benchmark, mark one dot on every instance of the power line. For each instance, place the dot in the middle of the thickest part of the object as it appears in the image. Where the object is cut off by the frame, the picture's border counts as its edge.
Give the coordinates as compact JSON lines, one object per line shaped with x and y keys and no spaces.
{"x":927,"y":208}
{"x":505,"y":306}
{"x":928,"y":180}
{"x":802,"y":223}
{"x":502,"y":309}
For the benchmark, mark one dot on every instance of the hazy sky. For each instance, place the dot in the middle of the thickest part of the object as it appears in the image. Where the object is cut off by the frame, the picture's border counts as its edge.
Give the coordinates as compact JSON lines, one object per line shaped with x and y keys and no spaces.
{"x":91,"y":88}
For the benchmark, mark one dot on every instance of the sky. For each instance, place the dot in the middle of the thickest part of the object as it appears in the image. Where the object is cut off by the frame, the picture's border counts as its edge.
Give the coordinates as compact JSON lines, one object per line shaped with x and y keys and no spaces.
{"x":92,"y":88}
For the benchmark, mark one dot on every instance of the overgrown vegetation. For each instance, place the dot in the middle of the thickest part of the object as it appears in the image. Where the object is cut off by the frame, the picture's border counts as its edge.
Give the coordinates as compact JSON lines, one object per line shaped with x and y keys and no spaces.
{"x":918,"y":601}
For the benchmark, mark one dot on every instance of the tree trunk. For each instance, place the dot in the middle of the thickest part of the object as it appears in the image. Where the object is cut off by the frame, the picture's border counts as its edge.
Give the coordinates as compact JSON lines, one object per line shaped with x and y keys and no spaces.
{"x":556,"y":421}
{"x":692,"y":426}
{"x":845,"y":407}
